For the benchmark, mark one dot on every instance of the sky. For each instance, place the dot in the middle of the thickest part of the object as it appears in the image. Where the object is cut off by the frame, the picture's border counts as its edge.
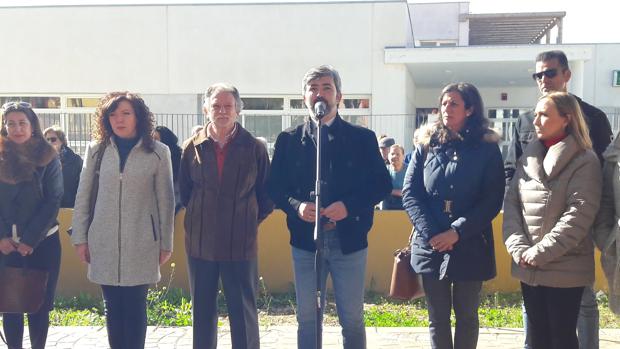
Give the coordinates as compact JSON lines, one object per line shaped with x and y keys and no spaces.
{"x":586,"y":21}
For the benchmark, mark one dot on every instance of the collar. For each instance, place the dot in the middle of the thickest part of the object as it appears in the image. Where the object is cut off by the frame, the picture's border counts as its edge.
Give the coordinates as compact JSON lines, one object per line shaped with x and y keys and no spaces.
{"x":542,"y":163}
{"x":553,"y":141}
{"x":309,"y":128}
{"x":328,"y":124}
{"x":203,"y":136}
{"x":211,"y":134}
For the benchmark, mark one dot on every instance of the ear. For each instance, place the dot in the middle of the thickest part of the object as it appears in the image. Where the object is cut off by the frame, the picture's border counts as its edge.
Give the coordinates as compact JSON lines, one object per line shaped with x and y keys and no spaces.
{"x":469,"y":111}
{"x":567,"y":75}
{"x":338,"y":97}
{"x":567,"y":120}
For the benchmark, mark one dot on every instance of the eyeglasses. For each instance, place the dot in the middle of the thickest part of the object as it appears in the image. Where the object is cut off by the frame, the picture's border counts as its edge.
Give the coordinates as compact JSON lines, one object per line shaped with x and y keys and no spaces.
{"x":52,"y":139}
{"x":549,"y":73}
{"x":15,"y":104}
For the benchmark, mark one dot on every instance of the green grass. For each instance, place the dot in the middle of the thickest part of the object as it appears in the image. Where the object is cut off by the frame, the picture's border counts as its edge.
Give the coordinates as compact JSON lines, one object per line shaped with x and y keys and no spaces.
{"x":172,"y":307}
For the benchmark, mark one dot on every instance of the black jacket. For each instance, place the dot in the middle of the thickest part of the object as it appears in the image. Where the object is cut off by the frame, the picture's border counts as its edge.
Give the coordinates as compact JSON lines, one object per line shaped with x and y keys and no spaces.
{"x":71,"y":169}
{"x":523,"y":133}
{"x":30,"y":189}
{"x":358,"y":178}
{"x":458,"y":185}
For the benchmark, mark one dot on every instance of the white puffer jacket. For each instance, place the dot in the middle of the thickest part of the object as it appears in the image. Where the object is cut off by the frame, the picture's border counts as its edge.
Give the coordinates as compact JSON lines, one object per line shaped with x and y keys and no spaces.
{"x":550,"y":207}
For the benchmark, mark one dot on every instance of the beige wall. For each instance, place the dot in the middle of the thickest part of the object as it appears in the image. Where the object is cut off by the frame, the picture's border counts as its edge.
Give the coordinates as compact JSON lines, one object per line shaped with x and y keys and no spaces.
{"x":390,"y":231}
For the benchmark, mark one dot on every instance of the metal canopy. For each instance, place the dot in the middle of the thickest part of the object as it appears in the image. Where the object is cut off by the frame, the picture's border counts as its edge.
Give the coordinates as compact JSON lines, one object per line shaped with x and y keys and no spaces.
{"x":512,"y":28}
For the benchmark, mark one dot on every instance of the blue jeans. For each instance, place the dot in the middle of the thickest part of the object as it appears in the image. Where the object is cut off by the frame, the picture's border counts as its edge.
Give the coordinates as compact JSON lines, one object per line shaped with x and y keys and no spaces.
{"x":347,"y":273}
{"x":587,"y":322}
{"x":441,"y":297}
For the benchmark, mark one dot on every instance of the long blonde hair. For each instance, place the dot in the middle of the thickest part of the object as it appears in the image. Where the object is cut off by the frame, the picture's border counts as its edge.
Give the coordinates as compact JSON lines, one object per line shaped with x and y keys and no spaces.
{"x":569,"y":108}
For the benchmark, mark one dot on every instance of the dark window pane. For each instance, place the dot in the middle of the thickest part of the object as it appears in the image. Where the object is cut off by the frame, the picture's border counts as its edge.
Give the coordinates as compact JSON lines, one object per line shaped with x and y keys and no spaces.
{"x":263,"y":103}
{"x":297,"y":104}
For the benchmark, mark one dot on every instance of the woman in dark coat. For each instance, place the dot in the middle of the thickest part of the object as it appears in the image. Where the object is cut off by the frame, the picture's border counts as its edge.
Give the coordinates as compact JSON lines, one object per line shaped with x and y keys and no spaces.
{"x":71,"y":164}
{"x":30,"y":192}
{"x":453,"y":189}
{"x":166,"y":136}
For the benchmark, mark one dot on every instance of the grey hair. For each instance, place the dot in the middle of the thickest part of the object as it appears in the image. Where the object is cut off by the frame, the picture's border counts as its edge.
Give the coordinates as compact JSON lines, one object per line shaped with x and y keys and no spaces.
{"x":319,"y":72}
{"x":223,"y":87}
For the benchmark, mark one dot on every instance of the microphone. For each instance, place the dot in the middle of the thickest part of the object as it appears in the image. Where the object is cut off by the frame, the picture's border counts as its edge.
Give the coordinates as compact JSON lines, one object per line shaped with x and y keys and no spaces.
{"x":320,"y":108}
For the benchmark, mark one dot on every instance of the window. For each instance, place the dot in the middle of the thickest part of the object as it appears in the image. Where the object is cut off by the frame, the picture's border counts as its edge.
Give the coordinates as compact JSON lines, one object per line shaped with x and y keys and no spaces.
{"x":428,"y":43}
{"x":297,"y":104}
{"x":503,"y":120}
{"x":251,"y":103}
{"x":266,"y":126}
{"x":345,"y":103}
{"x":78,"y":102}
{"x":36,"y":102}
{"x":436,"y":43}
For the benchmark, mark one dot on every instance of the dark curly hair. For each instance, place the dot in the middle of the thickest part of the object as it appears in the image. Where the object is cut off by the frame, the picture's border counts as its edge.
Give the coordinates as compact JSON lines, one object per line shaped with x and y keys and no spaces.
{"x":476,"y":124}
{"x":102,"y":129}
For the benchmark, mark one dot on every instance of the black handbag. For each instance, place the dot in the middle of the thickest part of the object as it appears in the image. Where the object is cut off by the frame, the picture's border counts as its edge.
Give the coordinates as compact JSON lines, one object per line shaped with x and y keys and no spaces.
{"x":22,"y":290}
{"x":406,"y":284}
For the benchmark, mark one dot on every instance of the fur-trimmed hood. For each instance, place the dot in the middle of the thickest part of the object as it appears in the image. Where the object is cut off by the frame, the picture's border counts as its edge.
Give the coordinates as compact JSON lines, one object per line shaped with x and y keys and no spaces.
{"x":19,"y":162}
{"x":427,"y":133}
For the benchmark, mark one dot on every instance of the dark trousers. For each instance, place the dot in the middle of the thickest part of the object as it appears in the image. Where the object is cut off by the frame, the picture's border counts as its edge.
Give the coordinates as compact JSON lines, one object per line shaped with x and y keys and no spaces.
{"x":444,"y":295}
{"x":552,"y":315}
{"x":46,"y":256}
{"x":240,"y":284}
{"x":125,"y":315}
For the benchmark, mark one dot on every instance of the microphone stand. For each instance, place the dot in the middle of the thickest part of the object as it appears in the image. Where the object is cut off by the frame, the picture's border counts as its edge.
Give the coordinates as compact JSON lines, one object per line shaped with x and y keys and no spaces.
{"x":319,"y":186}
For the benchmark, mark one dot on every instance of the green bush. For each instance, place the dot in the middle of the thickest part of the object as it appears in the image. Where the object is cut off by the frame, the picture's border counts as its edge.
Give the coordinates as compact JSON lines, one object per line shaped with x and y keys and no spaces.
{"x":172,"y":307}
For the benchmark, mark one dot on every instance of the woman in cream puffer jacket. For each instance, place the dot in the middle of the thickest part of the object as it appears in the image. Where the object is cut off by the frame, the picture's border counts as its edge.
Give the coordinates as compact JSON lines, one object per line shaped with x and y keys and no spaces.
{"x":548,"y":213}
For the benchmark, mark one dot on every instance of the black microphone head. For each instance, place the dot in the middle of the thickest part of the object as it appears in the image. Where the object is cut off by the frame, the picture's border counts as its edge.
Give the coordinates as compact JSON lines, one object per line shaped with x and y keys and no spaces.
{"x":320,"y":108}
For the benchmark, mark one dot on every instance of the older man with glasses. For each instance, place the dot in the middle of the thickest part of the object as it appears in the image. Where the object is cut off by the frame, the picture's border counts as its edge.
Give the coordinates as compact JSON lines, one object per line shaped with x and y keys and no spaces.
{"x":552,"y":75}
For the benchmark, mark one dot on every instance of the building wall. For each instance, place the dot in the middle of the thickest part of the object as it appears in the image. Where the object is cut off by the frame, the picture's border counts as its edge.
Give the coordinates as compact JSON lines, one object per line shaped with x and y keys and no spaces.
{"x":605,"y":61}
{"x":263,"y":49}
{"x":172,"y":53}
{"x":84,"y":49}
{"x":174,"y":103}
{"x":439,"y":21}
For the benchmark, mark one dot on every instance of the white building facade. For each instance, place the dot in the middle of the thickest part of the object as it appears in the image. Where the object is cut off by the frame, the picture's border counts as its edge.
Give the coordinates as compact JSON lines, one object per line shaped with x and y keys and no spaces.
{"x":393,"y":58}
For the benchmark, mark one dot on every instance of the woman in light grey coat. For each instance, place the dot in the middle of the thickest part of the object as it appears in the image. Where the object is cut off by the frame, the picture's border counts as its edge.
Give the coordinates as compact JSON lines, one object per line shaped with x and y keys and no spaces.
{"x":131,"y":231}
{"x":607,"y":223}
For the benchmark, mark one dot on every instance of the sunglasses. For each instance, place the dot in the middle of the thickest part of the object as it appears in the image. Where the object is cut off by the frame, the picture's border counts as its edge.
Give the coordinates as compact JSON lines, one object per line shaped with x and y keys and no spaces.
{"x":52,"y":139}
{"x":14,"y":104}
{"x":549,"y":73}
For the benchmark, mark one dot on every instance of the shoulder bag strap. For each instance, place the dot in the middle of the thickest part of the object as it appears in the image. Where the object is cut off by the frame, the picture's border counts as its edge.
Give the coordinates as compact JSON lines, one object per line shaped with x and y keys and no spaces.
{"x":94,"y":189}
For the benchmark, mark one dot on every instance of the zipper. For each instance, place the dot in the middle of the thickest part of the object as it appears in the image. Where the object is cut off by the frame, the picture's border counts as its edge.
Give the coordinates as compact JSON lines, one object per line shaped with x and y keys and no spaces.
{"x":120,"y":208}
{"x":120,"y":211}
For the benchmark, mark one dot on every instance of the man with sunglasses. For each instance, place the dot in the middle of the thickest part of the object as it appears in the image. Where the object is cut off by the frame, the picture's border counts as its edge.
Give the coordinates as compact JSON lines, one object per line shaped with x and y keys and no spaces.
{"x":552,"y":74}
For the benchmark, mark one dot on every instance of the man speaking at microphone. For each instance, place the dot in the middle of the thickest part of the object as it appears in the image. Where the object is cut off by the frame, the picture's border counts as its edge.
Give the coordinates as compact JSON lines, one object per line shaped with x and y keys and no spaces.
{"x":356,"y":179}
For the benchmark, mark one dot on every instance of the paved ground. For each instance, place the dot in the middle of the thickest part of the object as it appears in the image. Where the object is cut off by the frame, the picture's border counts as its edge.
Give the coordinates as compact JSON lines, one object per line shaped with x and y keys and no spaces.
{"x":283,"y":337}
